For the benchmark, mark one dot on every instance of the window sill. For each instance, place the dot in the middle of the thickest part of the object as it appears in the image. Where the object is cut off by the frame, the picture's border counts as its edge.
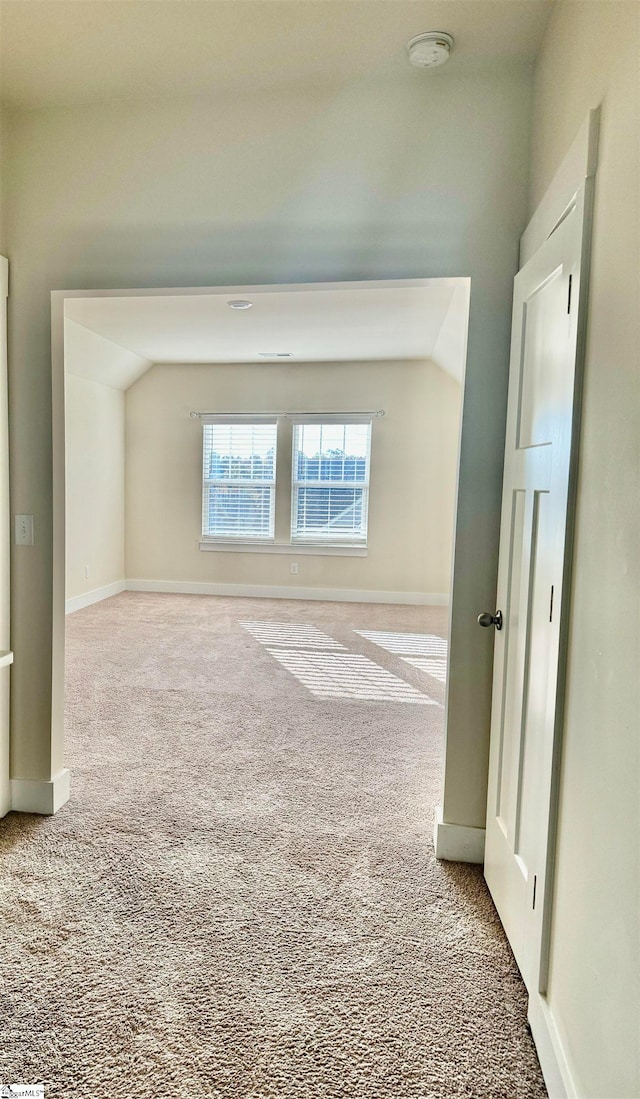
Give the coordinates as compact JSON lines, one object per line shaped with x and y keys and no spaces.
{"x":294,"y":549}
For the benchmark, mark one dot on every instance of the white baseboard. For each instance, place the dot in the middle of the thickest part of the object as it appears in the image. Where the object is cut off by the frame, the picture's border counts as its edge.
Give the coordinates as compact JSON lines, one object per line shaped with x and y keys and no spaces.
{"x":46,"y":797}
{"x":77,"y":602}
{"x":456,"y":842}
{"x":267,"y":591}
{"x":560,"y":1080}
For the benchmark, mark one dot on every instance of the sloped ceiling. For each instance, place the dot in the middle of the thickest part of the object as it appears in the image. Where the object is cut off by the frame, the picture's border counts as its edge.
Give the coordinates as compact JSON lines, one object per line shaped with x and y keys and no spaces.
{"x":115,"y":339}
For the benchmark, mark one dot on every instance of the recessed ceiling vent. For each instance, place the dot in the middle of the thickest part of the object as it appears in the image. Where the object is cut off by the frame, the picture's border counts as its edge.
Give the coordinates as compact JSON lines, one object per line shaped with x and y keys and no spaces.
{"x":429,"y":50}
{"x":276,"y":354}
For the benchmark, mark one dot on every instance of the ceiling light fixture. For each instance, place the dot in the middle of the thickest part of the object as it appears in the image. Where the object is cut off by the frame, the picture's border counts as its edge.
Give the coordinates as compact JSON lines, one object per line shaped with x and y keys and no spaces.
{"x":275,"y":354}
{"x":240,"y":303}
{"x":427,"y":51}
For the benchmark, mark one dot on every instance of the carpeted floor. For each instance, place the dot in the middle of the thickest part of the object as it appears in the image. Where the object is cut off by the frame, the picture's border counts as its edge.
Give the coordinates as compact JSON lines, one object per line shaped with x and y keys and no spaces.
{"x":241,"y":899}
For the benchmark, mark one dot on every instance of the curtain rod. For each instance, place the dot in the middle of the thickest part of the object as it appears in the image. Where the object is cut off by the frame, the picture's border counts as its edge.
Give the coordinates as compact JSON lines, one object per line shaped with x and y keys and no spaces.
{"x":248,"y":415}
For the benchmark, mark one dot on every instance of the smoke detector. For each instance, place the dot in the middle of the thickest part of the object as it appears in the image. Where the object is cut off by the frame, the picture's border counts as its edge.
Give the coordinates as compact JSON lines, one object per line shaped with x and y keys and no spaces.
{"x":427,"y":51}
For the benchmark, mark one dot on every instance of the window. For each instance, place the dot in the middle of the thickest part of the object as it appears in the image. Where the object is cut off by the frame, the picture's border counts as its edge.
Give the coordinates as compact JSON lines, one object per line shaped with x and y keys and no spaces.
{"x":239,"y":479}
{"x":326,"y":493}
{"x":330,"y":481}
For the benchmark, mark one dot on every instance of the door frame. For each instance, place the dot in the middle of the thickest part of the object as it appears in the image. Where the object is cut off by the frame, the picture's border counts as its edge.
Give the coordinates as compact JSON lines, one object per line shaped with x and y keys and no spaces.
{"x":61,"y":780}
{"x":6,"y":656}
{"x":576,"y":174}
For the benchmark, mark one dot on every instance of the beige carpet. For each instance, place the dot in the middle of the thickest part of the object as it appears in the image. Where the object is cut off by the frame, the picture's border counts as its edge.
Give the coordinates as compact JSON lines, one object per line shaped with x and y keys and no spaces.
{"x":241,"y":900}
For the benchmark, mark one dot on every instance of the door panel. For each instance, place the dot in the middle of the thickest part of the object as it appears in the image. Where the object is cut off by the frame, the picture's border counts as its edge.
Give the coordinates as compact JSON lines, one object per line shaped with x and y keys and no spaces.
{"x":506,"y":780}
{"x":543,"y":314}
{"x":5,"y":788}
{"x":531,"y":581}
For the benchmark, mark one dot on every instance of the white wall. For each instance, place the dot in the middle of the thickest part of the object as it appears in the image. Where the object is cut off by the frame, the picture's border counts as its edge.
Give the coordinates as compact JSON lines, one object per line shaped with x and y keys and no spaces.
{"x":3,"y":177}
{"x":413,"y":472}
{"x":97,"y":371}
{"x":382,"y":177}
{"x":95,"y":463}
{"x":595,"y":963}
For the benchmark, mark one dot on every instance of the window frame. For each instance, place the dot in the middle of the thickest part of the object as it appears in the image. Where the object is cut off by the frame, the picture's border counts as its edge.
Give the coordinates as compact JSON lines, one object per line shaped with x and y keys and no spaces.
{"x":211,"y":482}
{"x":345,"y":540}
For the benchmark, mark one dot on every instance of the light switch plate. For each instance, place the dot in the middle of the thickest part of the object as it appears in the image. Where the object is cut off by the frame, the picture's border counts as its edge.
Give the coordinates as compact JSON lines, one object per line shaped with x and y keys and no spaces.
{"x":24,"y":530}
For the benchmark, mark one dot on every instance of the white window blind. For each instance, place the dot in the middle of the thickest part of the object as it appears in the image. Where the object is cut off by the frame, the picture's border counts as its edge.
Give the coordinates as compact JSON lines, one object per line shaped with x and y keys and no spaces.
{"x":239,"y":479}
{"x":330,"y":483}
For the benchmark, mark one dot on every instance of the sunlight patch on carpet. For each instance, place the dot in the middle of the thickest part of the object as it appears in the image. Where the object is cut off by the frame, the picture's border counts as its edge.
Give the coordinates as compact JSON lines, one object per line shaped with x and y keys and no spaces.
{"x":436,"y":668}
{"x":406,"y":644}
{"x":348,"y":675}
{"x":288,"y":633}
{"x":425,"y":651}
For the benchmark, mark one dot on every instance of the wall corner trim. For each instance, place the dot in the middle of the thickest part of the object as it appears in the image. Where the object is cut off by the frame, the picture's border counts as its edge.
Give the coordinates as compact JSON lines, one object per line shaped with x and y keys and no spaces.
{"x":77,"y":602}
{"x":457,"y":842}
{"x":558,"y":1076}
{"x":45,"y":797}
{"x":269,"y":591}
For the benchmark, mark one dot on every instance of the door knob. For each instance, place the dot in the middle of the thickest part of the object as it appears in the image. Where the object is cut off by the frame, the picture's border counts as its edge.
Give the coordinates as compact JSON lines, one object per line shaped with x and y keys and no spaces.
{"x":487,"y":619}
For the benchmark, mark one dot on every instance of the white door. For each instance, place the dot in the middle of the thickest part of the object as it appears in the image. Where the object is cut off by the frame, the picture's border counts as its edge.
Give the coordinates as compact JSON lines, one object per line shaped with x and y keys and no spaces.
{"x":5,"y":655}
{"x":532,"y":580}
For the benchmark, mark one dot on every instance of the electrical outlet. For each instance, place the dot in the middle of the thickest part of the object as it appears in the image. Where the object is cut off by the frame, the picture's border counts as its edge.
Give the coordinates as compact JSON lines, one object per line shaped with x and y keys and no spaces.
{"x":86,"y":572}
{"x":295,"y":568}
{"x":24,"y":530}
